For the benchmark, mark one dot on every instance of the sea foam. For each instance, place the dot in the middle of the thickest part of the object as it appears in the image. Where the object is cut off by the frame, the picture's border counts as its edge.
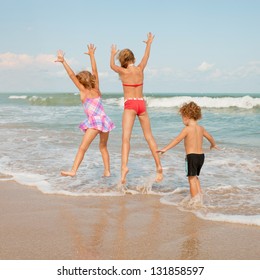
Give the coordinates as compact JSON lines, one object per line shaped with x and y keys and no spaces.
{"x":17,"y":97}
{"x":245,"y":102}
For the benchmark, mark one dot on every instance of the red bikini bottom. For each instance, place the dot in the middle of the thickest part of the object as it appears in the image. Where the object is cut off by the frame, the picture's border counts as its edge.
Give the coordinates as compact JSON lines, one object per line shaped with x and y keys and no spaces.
{"x":136,"y":104}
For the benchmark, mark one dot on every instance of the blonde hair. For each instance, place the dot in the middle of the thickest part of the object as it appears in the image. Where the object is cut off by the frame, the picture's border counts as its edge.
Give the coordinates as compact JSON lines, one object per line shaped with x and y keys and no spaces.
{"x":86,"y":79}
{"x":125,"y":56}
{"x":191,"y":110}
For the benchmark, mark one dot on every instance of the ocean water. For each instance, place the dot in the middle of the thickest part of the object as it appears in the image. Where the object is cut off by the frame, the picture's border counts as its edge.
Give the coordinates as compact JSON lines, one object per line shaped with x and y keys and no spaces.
{"x":40,"y":137}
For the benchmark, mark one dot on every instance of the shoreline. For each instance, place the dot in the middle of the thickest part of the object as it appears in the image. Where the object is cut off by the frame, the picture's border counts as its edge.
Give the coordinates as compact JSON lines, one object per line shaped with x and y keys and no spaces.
{"x":37,"y":226}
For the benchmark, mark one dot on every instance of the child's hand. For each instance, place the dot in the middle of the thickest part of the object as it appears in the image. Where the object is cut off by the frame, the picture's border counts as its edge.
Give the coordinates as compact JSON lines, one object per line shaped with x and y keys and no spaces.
{"x":160,"y":152}
{"x":60,"y":56}
{"x":150,"y":37}
{"x":91,"y":49}
{"x":114,"y":50}
{"x":215,"y":147}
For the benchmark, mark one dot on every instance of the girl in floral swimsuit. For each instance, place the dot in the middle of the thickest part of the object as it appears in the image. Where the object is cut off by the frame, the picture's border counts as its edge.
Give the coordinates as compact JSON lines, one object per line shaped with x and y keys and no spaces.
{"x":132,"y":78}
{"x":97,"y":122}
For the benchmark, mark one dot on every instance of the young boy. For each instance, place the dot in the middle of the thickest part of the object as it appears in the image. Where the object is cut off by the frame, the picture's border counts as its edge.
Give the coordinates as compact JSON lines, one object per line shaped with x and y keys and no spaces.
{"x":193,"y":139}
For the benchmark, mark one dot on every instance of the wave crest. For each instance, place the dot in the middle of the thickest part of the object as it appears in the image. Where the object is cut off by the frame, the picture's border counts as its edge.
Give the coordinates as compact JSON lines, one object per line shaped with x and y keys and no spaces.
{"x":245,"y":102}
{"x":157,"y":101}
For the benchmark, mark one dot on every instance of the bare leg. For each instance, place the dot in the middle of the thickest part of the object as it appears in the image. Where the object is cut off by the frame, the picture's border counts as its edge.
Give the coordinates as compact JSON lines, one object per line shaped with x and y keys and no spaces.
{"x":198,"y":185}
{"x":194,"y":185}
{"x":127,"y":126}
{"x":89,"y":136}
{"x":145,"y":123}
{"x":104,"y":152}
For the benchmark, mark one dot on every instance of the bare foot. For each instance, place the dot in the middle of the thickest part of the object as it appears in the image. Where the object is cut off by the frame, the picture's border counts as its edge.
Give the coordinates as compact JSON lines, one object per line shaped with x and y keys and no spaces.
{"x":159,"y":176}
{"x":124,"y":172}
{"x":106,"y":173}
{"x":71,"y":173}
{"x":122,"y":187}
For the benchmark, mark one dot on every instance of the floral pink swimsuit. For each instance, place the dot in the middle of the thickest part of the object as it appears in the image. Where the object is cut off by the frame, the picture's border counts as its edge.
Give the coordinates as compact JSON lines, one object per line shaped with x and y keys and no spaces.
{"x":97,"y":118}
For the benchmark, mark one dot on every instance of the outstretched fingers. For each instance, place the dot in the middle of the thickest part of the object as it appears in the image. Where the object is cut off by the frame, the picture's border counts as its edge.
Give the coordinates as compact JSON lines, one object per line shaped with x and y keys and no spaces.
{"x":91,"y":49}
{"x":150,"y":38}
{"x":114,"y":49}
{"x":60,"y":56}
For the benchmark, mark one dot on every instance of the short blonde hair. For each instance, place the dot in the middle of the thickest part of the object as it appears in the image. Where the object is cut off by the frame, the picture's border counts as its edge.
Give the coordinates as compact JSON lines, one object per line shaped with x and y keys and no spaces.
{"x":125,"y":56}
{"x":86,"y":79}
{"x":191,"y":110}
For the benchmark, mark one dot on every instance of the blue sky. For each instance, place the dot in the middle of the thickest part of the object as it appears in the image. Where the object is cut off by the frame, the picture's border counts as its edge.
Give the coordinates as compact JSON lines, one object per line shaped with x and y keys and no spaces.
{"x":206,"y":46}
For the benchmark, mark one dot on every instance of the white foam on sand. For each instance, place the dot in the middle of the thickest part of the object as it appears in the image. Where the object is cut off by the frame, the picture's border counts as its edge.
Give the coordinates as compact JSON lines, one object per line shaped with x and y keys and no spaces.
{"x":202,"y":207}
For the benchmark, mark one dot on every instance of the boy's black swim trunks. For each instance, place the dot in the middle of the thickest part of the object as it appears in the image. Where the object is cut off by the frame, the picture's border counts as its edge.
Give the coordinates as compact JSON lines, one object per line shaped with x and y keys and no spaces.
{"x":194,"y":163}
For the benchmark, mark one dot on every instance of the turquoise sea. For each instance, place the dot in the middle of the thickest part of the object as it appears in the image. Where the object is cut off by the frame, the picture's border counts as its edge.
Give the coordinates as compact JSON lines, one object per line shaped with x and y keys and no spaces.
{"x":40,"y":136}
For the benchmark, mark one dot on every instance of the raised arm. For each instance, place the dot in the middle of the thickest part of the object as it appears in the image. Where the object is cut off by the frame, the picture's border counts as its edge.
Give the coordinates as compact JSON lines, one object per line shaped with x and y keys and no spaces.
{"x":113,"y":65}
{"x":71,"y":74}
{"x":174,"y":142}
{"x":91,"y":53}
{"x":148,"y":43}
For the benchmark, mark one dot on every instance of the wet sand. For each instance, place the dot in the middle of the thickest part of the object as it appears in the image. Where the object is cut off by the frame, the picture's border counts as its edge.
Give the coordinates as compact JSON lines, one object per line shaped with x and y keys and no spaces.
{"x":37,"y":226}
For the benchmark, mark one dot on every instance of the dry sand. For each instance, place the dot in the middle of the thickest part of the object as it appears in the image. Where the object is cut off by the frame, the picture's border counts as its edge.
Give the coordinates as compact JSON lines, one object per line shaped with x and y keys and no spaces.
{"x":36,"y":226}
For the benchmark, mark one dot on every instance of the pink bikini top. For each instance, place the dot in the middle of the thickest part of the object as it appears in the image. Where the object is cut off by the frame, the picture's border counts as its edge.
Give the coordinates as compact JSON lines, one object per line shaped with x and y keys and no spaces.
{"x":133,"y":85}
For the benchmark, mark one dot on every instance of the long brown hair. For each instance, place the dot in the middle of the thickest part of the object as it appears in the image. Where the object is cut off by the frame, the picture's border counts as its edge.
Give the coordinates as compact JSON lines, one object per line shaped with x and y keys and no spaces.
{"x":125,"y":56}
{"x":86,"y":79}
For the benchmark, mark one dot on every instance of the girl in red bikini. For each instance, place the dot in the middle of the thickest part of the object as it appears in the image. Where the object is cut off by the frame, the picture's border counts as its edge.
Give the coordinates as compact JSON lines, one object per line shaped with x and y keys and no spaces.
{"x":132,"y":80}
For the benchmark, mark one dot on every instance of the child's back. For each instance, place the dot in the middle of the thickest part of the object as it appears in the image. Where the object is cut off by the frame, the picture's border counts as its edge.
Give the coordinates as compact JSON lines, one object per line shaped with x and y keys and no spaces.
{"x":194,"y":137}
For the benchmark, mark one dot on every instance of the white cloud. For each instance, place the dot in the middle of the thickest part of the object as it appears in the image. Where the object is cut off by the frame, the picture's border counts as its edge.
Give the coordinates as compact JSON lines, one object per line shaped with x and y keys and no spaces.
{"x":103,"y":74}
{"x":44,"y":58}
{"x":217,"y":73}
{"x":13,"y":61}
{"x":205,"y":66}
{"x":151,"y":72}
{"x":162,"y":72}
{"x":32,"y":71}
{"x":250,"y":69}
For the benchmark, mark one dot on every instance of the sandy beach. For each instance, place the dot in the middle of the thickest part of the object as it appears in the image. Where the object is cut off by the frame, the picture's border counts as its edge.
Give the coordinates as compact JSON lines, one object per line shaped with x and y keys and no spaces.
{"x":36,"y":226}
